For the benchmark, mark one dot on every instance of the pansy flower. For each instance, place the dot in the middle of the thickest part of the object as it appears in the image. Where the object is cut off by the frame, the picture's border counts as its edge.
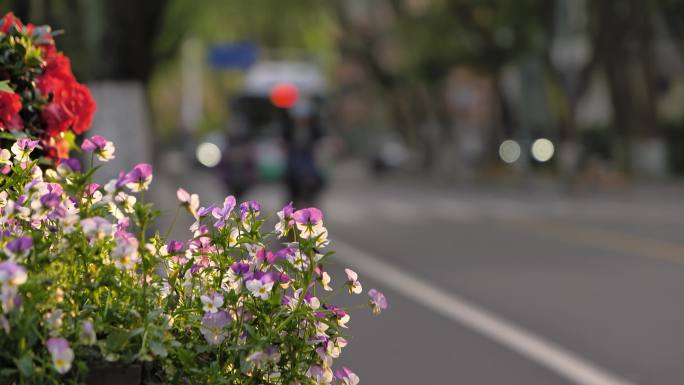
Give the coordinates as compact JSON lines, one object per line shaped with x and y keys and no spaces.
{"x":334,"y":346}
{"x":61,"y":353}
{"x":320,"y":375}
{"x":323,"y":278}
{"x":310,"y":224}
{"x":211,"y":302}
{"x":260,"y":287}
{"x":248,"y":212}
{"x":12,"y":274}
{"x":101,"y":147}
{"x":341,"y":316}
{"x":353,"y":283}
{"x":311,"y":301}
{"x":196,"y":226}
{"x":231,"y":281}
{"x":213,"y":327}
{"x":139,"y":178}
{"x":264,"y":256}
{"x":285,"y":220}
{"x":96,"y":228}
{"x":22,"y":149}
{"x":125,"y":255}
{"x":87,"y":334}
{"x":19,"y":247}
{"x":346,"y":376}
{"x":378,"y":302}
{"x":222,"y":214}
{"x":5,"y":161}
{"x":189,"y":201}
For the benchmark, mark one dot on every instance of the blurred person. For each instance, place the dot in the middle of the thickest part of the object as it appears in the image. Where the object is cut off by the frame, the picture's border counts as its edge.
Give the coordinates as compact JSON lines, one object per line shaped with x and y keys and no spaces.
{"x":302,"y":131}
{"x":238,"y":165}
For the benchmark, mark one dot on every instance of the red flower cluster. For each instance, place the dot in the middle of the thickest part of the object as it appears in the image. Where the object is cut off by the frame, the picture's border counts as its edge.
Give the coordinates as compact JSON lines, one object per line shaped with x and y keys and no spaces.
{"x":63,"y":104}
{"x":8,"y":21}
{"x":10,"y":105}
{"x":72,"y":105}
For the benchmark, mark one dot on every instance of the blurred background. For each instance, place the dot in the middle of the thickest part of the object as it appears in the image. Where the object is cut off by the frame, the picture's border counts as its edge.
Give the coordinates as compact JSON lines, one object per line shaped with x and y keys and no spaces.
{"x":508,"y":172}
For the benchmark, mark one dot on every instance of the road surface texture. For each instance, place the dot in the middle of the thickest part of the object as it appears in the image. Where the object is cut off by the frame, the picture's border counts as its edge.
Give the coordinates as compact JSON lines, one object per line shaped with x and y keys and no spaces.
{"x":502,"y":286}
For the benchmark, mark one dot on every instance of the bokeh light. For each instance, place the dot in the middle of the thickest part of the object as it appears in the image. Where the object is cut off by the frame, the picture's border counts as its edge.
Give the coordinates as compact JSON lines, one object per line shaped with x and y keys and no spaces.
{"x":208,"y":154}
{"x":509,"y":151}
{"x":284,"y":95}
{"x":542,"y":150}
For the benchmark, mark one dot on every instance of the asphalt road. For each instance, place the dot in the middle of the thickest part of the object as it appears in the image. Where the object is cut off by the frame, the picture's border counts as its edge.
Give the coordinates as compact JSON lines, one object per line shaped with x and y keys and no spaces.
{"x":592,"y":285}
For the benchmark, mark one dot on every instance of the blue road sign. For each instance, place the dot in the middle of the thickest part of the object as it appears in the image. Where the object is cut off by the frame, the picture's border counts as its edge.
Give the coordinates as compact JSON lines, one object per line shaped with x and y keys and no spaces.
{"x":234,"y":55}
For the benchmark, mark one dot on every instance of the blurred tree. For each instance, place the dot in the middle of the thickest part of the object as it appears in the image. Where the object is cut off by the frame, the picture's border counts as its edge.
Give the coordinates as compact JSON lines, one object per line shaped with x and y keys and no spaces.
{"x":431,"y":38}
{"x":672,"y":12}
{"x":279,"y":27}
{"x":106,"y":39}
{"x":623,"y":33}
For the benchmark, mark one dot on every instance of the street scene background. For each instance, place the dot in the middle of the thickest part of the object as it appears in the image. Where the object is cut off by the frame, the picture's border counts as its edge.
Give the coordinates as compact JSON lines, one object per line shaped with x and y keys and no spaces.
{"x":508,"y":173}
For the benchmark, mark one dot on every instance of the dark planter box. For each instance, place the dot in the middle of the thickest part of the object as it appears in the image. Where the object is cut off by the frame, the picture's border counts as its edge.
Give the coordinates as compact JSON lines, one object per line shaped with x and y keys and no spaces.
{"x":112,"y":375}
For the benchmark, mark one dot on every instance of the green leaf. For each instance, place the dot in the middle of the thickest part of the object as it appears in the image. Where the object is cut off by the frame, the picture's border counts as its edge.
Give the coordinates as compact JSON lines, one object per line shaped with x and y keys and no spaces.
{"x":4,"y":86}
{"x":250,"y":329}
{"x":25,"y":365}
{"x":158,"y":349}
{"x":70,"y":138}
{"x":186,"y":357}
{"x":117,"y":340}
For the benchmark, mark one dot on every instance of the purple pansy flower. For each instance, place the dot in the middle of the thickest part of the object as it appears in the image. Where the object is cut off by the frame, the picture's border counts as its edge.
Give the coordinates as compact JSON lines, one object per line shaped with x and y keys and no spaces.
{"x":103,"y":148}
{"x":88,"y":336}
{"x":96,"y":227}
{"x":347,"y":376}
{"x":249,"y":208}
{"x":342,"y":317}
{"x":223,"y":213}
{"x":213,"y":327}
{"x":262,"y":255}
{"x":72,"y":163}
{"x":378,"y":302}
{"x":12,"y":274}
{"x":62,"y":355}
{"x":309,"y":216}
{"x":175,"y":246}
{"x":19,"y":247}
{"x":320,"y":375}
{"x":239,"y":267}
{"x":285,"y":220}
{"x":139,"y":178}
{"x":50,"y":200}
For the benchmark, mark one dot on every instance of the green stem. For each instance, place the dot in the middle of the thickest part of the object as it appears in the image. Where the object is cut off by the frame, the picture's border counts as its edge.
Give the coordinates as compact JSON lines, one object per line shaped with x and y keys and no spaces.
{"x":173,"y":224}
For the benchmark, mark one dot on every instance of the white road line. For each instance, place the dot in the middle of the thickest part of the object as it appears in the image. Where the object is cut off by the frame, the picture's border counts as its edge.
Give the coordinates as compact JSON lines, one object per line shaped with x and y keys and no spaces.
{"x":534,"y":347}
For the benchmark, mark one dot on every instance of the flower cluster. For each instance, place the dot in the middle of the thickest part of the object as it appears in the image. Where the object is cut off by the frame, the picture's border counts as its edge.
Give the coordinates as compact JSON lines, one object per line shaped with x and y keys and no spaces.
{"x":39,"y":94}
{"x":84,"y":282}
{"x":234,"y":301}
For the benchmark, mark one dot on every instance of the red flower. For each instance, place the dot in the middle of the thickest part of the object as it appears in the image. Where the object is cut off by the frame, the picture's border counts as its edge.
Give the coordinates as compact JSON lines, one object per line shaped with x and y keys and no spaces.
{"x":58,"y":66}
{"x":57,"y":118}
{"x":80,"y":102}
{"x":8,"y":21}
{"x":72,"y":104}
{"x":10,"y":105}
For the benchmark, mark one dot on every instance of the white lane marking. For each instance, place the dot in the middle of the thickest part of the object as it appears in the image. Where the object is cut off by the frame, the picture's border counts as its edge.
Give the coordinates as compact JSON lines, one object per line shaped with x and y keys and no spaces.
{"x":544,"y":352}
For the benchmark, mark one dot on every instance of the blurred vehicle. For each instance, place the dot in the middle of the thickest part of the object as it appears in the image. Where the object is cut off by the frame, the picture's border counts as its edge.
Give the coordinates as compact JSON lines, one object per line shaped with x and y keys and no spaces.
{"x":391,"y":154}
{"x":276,"y":122}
